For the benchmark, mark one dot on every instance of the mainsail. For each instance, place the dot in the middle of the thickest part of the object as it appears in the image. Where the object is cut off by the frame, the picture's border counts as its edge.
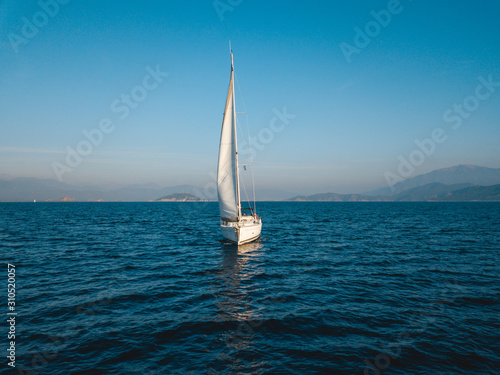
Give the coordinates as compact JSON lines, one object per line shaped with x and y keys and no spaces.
{"x":227,"y":172}
{"x":236,"y":228}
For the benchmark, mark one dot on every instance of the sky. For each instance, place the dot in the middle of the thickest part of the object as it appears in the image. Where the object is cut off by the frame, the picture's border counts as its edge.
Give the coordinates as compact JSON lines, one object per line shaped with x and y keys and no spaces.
{"x":338,"y":96}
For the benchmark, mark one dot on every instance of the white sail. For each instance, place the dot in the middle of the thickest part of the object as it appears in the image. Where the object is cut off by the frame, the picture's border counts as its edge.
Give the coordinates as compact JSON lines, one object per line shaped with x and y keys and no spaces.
{"x":237,"y":228}
{"x":227,"y":173}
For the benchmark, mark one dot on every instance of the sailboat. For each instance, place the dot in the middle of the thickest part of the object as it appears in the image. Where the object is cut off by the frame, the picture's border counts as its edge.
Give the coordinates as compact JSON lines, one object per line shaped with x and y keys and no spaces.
{"x":236,"y":227}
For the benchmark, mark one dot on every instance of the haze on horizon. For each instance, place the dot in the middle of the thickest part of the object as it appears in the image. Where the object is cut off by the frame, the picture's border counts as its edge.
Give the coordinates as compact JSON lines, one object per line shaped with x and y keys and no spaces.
{"x":338,"y":95}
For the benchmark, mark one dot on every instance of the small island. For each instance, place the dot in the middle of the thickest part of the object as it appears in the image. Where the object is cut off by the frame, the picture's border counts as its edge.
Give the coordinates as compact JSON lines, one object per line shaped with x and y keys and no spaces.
{"x":179,"y":197}
{"x":64,"y":199}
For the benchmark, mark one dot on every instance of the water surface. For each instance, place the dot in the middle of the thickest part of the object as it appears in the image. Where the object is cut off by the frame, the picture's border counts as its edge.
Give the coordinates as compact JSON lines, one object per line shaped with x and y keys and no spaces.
{"x":331,"y":288}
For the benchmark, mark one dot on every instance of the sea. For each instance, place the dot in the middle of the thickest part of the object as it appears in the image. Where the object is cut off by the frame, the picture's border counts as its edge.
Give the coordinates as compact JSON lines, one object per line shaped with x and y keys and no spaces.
{"x":330,"y":288}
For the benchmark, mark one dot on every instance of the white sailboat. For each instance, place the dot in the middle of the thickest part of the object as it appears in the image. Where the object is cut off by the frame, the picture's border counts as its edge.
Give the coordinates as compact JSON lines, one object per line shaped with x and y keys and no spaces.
{"x":235,"y":227}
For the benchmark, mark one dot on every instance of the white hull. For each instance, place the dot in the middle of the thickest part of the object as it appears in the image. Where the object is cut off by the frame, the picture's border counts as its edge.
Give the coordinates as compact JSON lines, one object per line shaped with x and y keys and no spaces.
{"x":236,"y":227}
{"x":242,"y":232}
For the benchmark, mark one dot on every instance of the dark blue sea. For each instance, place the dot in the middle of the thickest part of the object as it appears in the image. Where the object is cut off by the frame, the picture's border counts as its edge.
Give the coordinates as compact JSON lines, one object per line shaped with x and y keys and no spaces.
{"x":330,"y":288}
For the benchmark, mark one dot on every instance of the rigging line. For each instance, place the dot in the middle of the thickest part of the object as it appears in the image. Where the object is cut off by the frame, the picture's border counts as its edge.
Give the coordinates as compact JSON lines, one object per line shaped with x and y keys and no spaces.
{"x":250,"y":201}
{"x":254,"y":197}
{"x":245,"y":189}
{"x":247,"y":183}
{"x":249,"y":142}
{"x":240,"y":130}
{"x":240,"y":96}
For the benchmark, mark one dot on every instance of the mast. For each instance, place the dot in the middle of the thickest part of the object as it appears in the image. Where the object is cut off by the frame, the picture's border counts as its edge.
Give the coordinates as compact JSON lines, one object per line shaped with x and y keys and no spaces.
{"x":238,"y":202}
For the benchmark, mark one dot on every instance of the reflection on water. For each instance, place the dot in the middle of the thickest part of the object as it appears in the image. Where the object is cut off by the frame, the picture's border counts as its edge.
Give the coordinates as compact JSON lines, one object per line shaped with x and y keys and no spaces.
{"x":250,"y":247}
{"x":330,"y":292}
{"x":236,"y":266}
{"x":235,"y":304}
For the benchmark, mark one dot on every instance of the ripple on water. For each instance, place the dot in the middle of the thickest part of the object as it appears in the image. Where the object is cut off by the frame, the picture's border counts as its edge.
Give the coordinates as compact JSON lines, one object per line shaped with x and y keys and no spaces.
{"x":125,"y":288}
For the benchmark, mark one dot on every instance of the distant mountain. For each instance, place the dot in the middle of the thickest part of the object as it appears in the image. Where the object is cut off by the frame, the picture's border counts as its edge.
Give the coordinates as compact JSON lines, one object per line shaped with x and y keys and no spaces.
{"x":146,"y":192}
{"x":473,"y":193}
{"x":459,"y":174}
{"x":429,"y":192}
{"x":66,"y":199}
{"x":334,"y":197}
{"x":179,"y":197}
{"x":263,"y":194}
{"x":441,"y":184}
{"x":29,"y":189}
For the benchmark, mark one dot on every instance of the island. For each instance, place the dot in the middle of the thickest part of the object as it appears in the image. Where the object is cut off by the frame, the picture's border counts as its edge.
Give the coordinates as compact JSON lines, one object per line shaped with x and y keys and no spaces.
{"x":179,"y":197}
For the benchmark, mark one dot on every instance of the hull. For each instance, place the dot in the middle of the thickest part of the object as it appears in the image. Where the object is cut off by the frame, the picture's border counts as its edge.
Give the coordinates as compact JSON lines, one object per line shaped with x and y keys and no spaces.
{"x":236,"y":227}
{"x":241,"y":233}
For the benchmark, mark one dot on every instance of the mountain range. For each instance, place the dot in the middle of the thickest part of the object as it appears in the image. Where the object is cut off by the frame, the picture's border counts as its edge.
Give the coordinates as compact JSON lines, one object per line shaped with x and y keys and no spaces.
{"x":459,"y":174}
{"x":29,"y":189}
{"x":458,"y":183}
{"x":461,"y":182}
{"x":430,"y":192}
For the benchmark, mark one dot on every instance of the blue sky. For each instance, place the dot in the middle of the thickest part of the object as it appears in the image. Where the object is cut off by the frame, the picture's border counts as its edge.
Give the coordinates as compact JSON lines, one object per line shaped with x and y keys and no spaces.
{"x":355,"y":119}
